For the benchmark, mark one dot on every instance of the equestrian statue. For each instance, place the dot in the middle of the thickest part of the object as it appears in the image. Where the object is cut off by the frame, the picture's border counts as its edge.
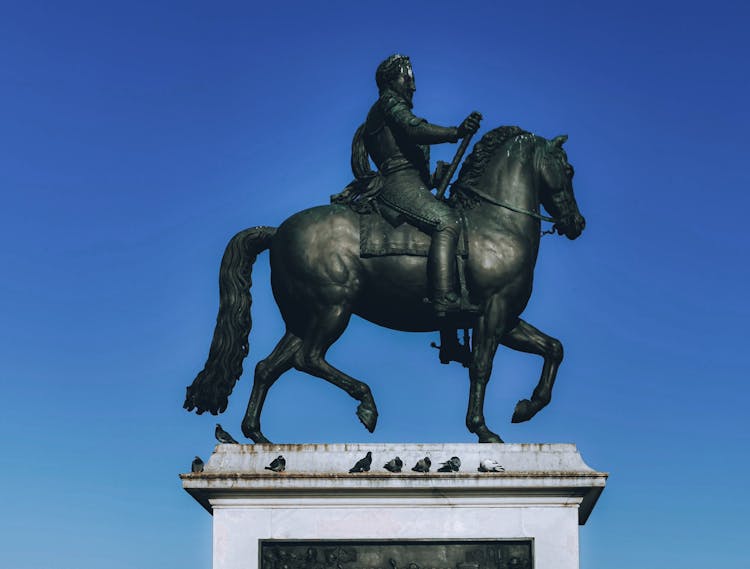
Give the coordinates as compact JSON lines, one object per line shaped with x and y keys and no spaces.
{"x":394,"y":253}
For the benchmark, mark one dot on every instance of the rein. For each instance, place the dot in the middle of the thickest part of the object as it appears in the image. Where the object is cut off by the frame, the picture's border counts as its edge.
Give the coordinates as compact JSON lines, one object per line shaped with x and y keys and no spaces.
{"x":530,"y":213}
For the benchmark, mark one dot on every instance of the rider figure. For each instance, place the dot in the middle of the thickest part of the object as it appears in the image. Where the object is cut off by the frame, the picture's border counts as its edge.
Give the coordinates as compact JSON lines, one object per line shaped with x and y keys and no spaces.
{"x":398,"y":142}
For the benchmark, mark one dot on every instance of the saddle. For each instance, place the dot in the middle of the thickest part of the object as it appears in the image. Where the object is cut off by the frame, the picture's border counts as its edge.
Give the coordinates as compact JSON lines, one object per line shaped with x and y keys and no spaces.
{"x":384,"y":233}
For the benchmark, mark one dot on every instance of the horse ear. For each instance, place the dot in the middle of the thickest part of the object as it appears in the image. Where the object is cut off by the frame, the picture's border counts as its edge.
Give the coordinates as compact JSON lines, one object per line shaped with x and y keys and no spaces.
{"x":559,"y":140}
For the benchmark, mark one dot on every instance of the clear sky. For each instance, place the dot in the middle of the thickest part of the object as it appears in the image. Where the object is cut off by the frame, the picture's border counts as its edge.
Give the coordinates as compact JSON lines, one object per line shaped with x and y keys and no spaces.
{"x":137,"y":137}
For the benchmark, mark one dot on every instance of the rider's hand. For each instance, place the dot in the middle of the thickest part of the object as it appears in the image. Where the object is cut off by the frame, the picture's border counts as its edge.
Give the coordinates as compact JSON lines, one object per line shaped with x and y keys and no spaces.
{"x":470,"y":125}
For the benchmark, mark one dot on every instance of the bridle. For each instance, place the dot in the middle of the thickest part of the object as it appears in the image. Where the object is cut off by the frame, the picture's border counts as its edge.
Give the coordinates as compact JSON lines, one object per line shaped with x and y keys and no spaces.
{"x":493,"y":201}
{"x":479,"y":193}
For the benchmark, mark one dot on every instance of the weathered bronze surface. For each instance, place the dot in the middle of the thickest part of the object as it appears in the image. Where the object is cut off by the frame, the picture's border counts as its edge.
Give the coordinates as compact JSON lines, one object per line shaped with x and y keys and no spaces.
{"x":321,"y":277}
{"x":396,"y":554}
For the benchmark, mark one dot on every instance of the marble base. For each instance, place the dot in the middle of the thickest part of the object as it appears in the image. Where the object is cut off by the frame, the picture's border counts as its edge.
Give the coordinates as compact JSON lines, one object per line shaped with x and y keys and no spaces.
{"x":545,"y":492}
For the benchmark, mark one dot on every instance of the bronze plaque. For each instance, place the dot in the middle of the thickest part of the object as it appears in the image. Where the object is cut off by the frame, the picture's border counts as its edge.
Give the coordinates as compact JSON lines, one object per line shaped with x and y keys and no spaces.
{"x":396,"y":554}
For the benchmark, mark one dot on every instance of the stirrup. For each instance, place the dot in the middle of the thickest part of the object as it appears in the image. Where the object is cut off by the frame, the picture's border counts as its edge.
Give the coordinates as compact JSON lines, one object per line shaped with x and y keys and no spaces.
{"x":445,"y":306}
{"x":449,"y":303}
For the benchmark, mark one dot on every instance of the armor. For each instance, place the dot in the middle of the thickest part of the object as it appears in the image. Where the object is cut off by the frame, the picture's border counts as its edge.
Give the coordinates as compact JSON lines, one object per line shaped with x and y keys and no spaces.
{"x":398,"y":142}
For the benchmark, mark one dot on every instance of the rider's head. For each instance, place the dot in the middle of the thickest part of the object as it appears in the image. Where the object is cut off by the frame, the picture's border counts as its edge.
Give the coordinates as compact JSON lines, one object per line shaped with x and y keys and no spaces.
{"x":395,"y":73}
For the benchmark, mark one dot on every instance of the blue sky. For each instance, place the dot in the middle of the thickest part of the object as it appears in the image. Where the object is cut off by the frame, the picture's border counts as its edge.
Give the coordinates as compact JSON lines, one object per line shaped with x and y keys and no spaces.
{"x":138,"y":137}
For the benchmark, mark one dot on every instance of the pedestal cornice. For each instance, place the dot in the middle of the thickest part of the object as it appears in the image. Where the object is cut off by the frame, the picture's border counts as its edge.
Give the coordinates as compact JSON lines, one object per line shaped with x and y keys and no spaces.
{"x":534,"y":474}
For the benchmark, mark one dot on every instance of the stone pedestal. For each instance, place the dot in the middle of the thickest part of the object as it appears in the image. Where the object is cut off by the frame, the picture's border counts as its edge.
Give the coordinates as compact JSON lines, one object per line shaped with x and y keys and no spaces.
{"x":537,"y":502}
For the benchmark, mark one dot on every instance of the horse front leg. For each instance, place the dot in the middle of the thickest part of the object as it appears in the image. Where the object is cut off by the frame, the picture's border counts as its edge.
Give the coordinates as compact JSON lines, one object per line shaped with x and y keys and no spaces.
{"x":484,"y":346}
{"x":525,"y":338}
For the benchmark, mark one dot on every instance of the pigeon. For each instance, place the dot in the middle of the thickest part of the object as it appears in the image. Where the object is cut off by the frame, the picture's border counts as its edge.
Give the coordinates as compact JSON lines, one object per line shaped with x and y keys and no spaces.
{"x":363,"y":464}
{"x":452,"y":465}
{"x":489,"y":465}
{"x":197,"y":465}
{"x":223,"y":437}
{"x":394,"y":465}
{"x":278,"y":464}
{"x":423,"y":465}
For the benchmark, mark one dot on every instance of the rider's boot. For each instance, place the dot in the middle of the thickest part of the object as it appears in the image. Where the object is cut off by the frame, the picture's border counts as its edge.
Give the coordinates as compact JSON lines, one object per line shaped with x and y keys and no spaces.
{"x":442,"y":269}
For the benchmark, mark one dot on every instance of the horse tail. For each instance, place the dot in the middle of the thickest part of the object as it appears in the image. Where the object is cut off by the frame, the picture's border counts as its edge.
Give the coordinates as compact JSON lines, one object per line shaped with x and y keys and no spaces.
{"x":211,"y":388}
{"x":360,"y":160}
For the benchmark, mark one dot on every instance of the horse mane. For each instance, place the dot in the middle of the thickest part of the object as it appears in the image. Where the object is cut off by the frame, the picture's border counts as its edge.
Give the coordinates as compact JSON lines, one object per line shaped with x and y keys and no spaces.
{"x":473,"y":167}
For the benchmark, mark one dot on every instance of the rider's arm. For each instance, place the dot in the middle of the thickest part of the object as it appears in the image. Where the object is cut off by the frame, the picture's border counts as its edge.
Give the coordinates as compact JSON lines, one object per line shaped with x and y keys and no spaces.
{"x":418,"y":130}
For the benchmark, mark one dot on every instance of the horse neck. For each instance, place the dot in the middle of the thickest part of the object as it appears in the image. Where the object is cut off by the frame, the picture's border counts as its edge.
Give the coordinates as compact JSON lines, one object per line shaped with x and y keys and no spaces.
{"x":512,"y":179}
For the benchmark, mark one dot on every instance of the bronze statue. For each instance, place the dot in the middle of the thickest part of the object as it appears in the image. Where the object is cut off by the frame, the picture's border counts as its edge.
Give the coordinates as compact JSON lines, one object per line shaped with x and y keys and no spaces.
{"x":330,"y":262}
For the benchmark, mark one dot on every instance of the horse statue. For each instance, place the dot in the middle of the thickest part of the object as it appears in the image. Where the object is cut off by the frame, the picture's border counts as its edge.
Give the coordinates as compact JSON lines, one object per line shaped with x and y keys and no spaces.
{"x":319,"y":279}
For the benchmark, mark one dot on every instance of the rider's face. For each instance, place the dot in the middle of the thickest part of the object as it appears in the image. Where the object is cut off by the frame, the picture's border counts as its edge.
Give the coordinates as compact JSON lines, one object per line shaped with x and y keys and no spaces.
{"x":404,"y":84}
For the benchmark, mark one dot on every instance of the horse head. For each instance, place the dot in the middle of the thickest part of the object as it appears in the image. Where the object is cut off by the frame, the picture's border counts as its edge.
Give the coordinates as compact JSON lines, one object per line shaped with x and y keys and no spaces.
{"x":556,"y":187}
{"x":490,"y":174}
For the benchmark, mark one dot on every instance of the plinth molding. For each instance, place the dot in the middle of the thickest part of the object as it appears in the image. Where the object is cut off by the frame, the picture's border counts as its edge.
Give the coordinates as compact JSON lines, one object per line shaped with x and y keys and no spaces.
{"x":544,"y":493}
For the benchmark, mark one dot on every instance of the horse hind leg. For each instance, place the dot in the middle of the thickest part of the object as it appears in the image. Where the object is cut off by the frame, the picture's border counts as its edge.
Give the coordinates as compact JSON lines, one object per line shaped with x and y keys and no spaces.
{"x":323,"y":330}
{"x":525,"y":338}
{"x":267,"y":371}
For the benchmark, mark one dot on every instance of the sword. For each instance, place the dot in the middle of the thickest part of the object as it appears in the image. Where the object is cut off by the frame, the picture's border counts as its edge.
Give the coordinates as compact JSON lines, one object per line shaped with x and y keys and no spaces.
{"x":452,"y":168}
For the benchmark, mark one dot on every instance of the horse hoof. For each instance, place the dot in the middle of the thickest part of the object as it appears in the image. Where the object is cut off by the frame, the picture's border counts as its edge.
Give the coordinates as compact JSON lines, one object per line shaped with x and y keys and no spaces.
{"x":524,"y":411}
{"x":368,"y":415}
{"x":259,"y":439}
{"x":256,"y":436}
{"x":487,"y":436}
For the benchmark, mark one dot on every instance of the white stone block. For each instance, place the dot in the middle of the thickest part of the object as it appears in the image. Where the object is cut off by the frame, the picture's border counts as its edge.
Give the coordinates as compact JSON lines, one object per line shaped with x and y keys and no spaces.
{"x":545,"y":492}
